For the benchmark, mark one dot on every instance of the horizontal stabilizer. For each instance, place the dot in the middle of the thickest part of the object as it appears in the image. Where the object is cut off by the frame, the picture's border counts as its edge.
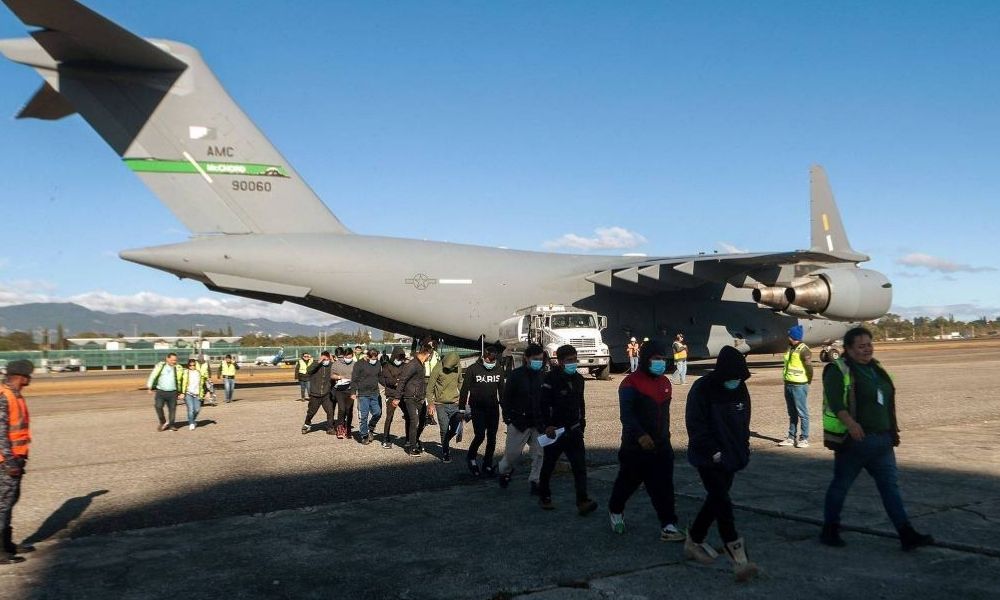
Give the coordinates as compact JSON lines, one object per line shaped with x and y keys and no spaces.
{"x":47,"y":104}
{"x":72,"y":33}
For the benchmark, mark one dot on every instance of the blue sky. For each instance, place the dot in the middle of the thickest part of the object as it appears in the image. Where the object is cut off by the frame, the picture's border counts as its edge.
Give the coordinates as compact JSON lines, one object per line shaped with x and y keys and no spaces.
{"x":654,"y":127}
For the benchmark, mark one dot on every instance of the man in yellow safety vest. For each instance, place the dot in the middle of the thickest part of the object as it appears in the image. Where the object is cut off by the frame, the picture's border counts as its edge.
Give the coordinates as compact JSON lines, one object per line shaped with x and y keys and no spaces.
{"x":797,"y":375}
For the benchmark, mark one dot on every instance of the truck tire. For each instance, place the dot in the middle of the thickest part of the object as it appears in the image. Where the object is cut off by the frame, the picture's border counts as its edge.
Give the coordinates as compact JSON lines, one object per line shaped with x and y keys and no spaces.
{"x":603,"y":373}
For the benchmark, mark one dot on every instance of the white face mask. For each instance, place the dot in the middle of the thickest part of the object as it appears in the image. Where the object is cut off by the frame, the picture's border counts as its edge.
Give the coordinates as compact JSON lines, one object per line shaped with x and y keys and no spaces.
{"x":348,"y":359}
{"x":397,"y":362}
{"x":372,"y":361}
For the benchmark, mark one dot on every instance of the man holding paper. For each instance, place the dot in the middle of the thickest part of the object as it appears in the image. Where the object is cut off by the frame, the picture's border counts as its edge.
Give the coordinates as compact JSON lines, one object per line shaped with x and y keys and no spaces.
{"x":561,"y":407}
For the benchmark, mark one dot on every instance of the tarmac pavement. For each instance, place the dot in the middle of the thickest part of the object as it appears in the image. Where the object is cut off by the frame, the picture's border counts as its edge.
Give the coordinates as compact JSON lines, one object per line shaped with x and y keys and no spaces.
{"x":247,"y":507}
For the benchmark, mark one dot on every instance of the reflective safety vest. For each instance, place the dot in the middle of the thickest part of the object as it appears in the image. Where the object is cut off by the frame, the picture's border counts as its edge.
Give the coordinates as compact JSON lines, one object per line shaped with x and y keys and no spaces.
{"x":834,"y":429}
{"x":186,"y":378}
{"x":203,"y":369}
{"x":681,"y":353}
{"x":304,"y":366}
{"x":18,"y":423}
{"x":228,"y":369}
{"x":154,"y":378}
{"x":432,"y":360}
{"x":795,"y":371}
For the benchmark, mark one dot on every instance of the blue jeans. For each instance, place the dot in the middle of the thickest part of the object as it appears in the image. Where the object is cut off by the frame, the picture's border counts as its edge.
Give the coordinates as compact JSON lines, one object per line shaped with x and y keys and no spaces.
{"x":797,"y":402}
{"x":230,"y":385}
{"x":874,"y":454}
{"x":303,"y":389}
{"x":682,"y":371}
{"x":369,"y":405}
{"x":633,"y":363}
{"x":193,"y":405}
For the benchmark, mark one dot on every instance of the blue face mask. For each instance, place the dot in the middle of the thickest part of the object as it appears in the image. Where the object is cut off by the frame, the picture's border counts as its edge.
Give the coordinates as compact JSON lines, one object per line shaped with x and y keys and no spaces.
{"x":569,"y":369}
{"x":535,"y":364}
{"x":489,"y":365}
{"x":731,"y":384}
{"x":657,"y":367}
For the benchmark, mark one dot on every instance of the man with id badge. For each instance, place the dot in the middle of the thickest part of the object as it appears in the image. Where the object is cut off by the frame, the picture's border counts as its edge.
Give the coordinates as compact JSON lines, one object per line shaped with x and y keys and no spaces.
{"x":859,"y":425}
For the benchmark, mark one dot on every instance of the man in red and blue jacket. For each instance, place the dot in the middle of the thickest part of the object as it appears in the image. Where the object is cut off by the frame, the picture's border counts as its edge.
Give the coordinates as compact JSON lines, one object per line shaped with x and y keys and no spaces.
{"x":646,"y":456}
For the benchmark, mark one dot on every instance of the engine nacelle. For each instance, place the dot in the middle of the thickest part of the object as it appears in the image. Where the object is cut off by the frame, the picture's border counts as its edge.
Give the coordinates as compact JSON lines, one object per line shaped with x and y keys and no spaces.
{"x":843,"y":294}
{"x":771,"y":296}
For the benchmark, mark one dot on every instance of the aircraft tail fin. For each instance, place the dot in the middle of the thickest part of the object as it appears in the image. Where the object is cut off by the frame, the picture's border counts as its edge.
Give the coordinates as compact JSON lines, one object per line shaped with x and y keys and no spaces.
{"x":828,"y":235}
{"x":162,"y":110}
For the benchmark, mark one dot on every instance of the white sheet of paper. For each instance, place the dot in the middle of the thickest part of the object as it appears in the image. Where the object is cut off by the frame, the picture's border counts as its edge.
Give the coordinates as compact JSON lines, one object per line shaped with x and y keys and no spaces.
{"x":544,"y":440}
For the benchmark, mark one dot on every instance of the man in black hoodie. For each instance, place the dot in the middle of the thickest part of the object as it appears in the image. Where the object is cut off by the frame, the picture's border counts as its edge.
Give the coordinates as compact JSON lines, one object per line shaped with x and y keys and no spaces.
{"x":413,"y":392}
{"x":364,"y":390}
{"x":562,"y":417}
{"x":481,"y":388}
{"x":389,"y":379}
{"x":646,"y":456}
{"x":521,"y":397}
{"x":718,"y":425}
{"x":318,"y":375}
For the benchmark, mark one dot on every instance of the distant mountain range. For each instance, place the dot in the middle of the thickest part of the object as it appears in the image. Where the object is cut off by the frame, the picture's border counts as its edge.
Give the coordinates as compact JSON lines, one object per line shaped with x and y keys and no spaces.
{"x":76,"y":319}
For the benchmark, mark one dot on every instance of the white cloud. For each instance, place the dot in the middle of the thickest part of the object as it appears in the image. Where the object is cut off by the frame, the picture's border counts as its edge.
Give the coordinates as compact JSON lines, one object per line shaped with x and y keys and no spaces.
{"x":25,"y":291}
{"x":606,"y":238}
{"x":731,"y":249}
{"x":941,"y":265}
{"x":962,"y":312}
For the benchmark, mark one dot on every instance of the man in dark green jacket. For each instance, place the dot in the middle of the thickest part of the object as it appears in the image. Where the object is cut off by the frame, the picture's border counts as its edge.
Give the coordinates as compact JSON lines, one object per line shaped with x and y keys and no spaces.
{"x":443,"y":388}
{"x":859,"y":424}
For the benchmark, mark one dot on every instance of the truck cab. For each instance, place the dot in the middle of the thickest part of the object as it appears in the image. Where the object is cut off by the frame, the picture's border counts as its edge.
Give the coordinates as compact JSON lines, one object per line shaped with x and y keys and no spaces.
{"x":554,"y":325}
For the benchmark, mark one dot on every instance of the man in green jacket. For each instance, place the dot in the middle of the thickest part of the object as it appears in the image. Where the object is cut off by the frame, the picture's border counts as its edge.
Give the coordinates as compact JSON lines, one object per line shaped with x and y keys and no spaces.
{"x":859,"y":425}
{"x":444,"y":385}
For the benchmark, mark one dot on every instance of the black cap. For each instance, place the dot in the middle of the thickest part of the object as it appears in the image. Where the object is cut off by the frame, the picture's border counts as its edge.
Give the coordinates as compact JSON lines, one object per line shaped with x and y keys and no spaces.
{"x":20,"y":367}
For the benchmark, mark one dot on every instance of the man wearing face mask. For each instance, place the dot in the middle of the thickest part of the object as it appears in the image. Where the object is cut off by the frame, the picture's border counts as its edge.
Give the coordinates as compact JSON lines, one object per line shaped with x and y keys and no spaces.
{"x":561,"y":408}
{"x":646,"y":456}
{"x":390,"y":381}
{"x":521,"y":396}
{"x":444,"y":386}
{"x":413,"y":391}
{"x":319,"y":392}
{"x":718,"y":425}
{"x":364,"y":391}
{"x":343,"y":368}
{"x":481,"y":390}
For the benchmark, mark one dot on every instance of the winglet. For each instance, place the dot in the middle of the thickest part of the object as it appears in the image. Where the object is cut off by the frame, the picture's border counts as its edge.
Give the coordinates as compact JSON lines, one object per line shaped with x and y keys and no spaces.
{"x":828,"y":235}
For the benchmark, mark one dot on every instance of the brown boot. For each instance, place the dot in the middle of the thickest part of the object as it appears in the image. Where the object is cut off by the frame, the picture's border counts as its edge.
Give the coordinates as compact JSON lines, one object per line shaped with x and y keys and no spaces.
{"x":743,"y":569}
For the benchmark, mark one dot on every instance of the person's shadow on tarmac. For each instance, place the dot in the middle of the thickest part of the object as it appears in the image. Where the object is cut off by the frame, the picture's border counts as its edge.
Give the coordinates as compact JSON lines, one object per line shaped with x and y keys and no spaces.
{"x":71,"y":510}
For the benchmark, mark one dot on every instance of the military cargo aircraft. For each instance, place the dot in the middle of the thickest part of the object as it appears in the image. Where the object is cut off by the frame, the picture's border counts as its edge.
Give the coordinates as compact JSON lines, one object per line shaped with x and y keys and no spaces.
{"x":156,"y":103}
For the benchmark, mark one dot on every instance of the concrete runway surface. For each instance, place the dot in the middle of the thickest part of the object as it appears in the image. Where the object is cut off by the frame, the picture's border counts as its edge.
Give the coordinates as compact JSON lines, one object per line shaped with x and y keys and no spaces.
{"x":247,"y":507}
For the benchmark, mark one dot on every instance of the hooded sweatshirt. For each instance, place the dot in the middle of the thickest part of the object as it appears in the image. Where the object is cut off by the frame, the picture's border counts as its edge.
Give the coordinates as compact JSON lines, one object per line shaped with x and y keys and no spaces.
{"x":390,"y":376}
{"x":718,"y":420}
{"x":364,"y":377}
{"x":481,"y":387}
{"x":644,"y":403}
{"x":444,"y":381}
{"x":319,"y":378}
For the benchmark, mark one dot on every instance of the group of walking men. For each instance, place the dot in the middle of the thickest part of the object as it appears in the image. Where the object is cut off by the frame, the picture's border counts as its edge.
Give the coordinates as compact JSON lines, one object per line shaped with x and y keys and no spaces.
{"x":169,"y":384}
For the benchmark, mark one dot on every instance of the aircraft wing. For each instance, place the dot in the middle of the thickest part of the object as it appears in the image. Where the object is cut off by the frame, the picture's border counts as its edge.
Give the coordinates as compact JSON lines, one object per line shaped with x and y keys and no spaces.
{"x":652,"y":275}
{"x":829,"y":247}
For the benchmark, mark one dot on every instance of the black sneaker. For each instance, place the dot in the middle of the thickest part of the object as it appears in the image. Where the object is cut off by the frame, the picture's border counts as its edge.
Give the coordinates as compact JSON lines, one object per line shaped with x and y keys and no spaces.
{"x":414,"y":451}
{"x":489,"y":472}
{"x":546,"y":503}
{"x":365,"y":440}
{"x":504,"y":480}
{"x":474,"y":468}
{"x":386,"y":444}
{"x":585,"y":507}
{"x":910,"y":539}
{"x":533,"y":490}
{"x":446,"y":457}
{"x":830,"y":536}
{"x":10,"y":559}
{"x":306,"y":429}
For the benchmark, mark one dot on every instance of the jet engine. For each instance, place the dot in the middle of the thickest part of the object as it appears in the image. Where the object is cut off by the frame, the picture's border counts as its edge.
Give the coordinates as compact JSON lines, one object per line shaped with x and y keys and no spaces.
{"x":843,"y":294}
